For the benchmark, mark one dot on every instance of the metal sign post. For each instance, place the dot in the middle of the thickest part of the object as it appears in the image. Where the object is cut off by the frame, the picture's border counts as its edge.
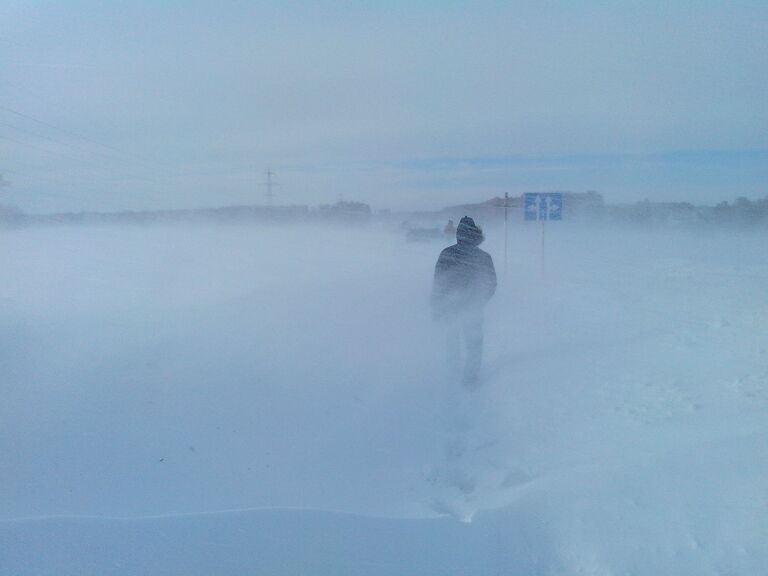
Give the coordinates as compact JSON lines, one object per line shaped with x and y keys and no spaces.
{"x":542,"y":207}
{"x":506,"y":234}
{"x":543,"y":250}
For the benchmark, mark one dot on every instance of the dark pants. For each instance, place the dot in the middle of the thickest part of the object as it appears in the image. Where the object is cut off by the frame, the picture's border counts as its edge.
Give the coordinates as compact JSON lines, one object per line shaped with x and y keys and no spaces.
{"x":469,"y":328}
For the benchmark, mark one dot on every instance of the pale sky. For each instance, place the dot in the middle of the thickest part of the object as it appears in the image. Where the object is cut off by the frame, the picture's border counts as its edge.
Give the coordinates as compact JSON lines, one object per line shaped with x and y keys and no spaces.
{"x":142,"y":105}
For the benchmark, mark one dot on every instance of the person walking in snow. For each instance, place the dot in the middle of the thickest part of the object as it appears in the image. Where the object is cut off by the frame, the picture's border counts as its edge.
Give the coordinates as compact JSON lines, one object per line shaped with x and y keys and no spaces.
{"x":449,"y":230}
{"x":464,"y":281}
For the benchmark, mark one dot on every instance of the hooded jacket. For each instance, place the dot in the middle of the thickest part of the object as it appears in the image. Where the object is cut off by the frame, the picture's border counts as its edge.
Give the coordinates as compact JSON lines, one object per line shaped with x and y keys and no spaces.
{"x":465,"y":278}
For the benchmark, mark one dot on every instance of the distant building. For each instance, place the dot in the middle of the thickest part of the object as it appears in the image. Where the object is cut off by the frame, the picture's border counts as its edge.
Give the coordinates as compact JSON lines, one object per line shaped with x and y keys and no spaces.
{"x":343,"y":211}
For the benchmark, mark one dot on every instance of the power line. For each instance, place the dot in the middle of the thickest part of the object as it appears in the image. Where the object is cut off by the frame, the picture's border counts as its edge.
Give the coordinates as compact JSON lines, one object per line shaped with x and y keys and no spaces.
{"x":75,"y":144}
{"x":74,"y":147}
{"x":101,"y":173}
{"x":36,"y":146}
{"x":82,"y":137}
{"x":64,"y":130}
{"x":168,"y":171}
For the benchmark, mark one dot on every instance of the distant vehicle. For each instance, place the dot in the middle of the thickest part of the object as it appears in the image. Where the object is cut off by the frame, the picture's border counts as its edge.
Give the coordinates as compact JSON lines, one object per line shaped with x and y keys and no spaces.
{"x":424,"y":234}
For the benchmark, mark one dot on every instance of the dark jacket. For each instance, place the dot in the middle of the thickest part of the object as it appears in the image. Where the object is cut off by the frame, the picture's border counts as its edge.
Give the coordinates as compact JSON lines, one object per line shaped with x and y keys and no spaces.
{"x":465,"y":278}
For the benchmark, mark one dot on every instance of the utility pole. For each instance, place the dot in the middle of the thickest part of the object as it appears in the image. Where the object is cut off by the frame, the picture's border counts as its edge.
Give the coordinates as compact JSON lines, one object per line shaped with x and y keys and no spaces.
{"x":506,"y":235}
{"x":269,"y":184}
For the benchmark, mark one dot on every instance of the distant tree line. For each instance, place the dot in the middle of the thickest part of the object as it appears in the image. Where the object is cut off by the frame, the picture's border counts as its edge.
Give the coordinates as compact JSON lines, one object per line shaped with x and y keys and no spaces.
{"x":577,"y":206}
{"x":743,"y":212}
{"x":347,"y":212}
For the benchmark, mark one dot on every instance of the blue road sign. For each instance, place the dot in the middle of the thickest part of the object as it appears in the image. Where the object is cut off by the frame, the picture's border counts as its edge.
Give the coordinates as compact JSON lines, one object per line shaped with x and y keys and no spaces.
{"x":543,"y":206}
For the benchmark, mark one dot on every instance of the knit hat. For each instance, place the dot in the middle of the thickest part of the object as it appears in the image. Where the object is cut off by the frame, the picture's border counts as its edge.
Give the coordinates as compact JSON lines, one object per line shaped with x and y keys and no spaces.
{"x":469,"y":232}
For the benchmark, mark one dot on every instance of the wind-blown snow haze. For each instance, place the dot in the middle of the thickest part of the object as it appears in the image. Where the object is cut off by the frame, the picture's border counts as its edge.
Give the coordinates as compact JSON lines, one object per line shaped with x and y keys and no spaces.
{"x":153,"y":374}
{"x":236,"y":337}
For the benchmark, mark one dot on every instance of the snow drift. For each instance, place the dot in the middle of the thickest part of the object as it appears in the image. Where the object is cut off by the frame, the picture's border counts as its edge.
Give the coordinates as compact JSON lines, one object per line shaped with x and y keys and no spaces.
{"x":155,"y":378}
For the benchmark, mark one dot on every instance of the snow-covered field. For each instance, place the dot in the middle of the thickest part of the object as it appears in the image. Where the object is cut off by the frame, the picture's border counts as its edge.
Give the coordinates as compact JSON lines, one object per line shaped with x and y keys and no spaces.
{"x":246,"y":400}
